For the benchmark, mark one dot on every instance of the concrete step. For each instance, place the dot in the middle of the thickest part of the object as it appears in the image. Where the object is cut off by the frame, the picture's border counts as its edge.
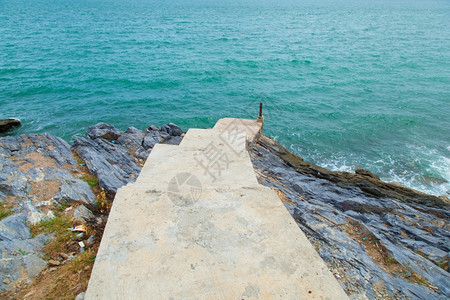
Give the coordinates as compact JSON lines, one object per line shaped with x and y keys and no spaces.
{"x":224,"y":243}
{"x":215,"y":165}
{"x":197,"y":225}
{"x":203,"y":138}
{"x":252,"y":128}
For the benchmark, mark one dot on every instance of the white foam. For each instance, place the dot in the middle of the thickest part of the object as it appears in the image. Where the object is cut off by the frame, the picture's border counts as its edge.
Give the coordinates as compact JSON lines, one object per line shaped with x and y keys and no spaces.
{"x":409,"y":170}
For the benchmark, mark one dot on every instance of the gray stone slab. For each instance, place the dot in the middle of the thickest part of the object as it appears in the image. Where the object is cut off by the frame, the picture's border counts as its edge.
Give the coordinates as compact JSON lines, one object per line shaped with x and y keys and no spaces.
{"x":225,"y":244}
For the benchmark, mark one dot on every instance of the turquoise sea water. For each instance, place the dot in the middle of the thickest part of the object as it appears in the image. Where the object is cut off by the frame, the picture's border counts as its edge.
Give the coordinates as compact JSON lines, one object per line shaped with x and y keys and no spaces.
{"x":346,"y":84}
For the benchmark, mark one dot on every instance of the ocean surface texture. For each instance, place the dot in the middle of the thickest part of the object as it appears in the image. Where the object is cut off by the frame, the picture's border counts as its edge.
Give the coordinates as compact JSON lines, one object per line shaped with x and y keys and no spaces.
{"x":346,"y":84}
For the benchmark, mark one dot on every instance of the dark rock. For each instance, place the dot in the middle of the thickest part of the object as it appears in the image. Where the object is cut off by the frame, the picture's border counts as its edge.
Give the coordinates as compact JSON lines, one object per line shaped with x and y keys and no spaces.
{"x":370,"y":189}
{"x":103,"y":130}
{"x":175,"y":130}
{"x":366,"y":173}
{"x":142,"y":153}
{"x":9,"y":144}
{"x":33,"y":214}
{"x":111,"y":163}
{"x":134,"y":130}
{"x":172,"y":129}
{"x":165,"y":136}
{"x":44,"y":144}
{"x":345,"y":179}
{"x":174,"y":140}
{"x":83,"y":214}
{"x":131,"y":139}
{"x":360,"y":205}
{"x":297,"y":188}
{"x":33,"y":264}
{"x":433,"y":253}
{"x":151,"y":139}
{"x":337,"y":210}
{"x":27,"y":163}
{"x":30,"y":162}
{"x":74,"y":190}
{"x":14,"y":182}
{"x":14,"y":227}
{"x":7,"y":124}
{"x":20,"y":253}
{"x":70,"y":189}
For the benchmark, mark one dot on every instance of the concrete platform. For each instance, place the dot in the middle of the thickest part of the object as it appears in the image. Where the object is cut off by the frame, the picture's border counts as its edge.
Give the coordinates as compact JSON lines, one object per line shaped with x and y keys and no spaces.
{"x":177,"y":234}
{"x":228,"y":244}
{"x":252,"y":128}
{"x":217,"y":167}
{"x":202,"y":138}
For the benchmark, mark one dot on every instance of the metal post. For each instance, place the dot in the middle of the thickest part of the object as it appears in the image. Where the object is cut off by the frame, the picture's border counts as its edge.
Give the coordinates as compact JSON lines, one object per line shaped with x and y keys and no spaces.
{"x":260,"y":110}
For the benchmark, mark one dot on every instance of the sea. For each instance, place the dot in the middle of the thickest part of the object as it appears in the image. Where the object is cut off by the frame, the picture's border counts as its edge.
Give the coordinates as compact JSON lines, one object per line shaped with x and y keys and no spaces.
{"x":345,"y":84}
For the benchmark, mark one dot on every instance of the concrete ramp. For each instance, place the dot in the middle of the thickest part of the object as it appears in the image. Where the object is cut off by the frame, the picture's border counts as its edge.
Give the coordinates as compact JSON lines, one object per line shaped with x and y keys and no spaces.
{"x":195,"y":227}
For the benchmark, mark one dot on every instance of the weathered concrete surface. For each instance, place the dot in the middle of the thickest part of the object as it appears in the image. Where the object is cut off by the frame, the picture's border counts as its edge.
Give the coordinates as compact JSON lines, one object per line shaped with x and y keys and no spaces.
{"x":252,"y":128}
{"x":214,"y":161}
{"x":225,"y":245}
{"x":178,"y":232}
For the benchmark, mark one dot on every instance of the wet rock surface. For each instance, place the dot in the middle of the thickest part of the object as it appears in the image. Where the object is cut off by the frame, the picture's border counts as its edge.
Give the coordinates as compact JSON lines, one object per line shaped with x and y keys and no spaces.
{"x":380,"y":240}
{"x":7,"y":124}
{"x":39,"y":172}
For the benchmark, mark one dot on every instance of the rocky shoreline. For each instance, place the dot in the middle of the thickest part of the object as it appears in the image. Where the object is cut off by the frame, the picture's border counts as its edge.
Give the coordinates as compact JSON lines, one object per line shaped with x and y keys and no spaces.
{"x":41,"y":174}
{"x":380,"y":240}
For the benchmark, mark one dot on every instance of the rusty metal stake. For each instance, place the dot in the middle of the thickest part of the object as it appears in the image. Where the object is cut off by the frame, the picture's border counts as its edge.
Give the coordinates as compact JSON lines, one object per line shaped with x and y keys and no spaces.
{"x":260,"y":110}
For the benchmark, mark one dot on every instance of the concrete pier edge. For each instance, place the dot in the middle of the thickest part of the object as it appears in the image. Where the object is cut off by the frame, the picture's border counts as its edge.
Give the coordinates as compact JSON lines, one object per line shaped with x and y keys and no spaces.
{"x":197,"y":225}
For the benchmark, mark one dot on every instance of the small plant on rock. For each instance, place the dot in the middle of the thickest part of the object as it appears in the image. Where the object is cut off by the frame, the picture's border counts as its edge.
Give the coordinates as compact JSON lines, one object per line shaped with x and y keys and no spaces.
{"x":103,"y":205}
{"x":5,"y":210}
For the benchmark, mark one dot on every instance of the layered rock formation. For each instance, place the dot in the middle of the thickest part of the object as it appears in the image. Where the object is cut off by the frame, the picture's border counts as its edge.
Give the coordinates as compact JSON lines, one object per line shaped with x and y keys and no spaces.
{"x":116,"y":157}
{"x":379,"y":239}
{"x":39,"y":173}
{"x":36,"y":174}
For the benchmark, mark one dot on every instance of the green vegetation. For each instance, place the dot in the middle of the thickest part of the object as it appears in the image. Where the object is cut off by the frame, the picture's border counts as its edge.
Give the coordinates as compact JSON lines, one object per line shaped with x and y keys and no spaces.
{"x":87,"y":258}
{"x":90,"y":179}
{"x":78,"y":158}
{"x":62,"y":207}
{"x":103,"y":205}
{"x":22,"y":252}
{"x":389,"y":260}
{"x":443,"y":264}
{"x":5,"y":210}
{"x":59,"y":226}
{"x":411,"y":276}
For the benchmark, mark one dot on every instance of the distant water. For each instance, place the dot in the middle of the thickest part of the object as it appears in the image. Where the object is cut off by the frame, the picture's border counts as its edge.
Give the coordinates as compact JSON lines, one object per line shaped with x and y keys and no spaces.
{"x":346,"y":84}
